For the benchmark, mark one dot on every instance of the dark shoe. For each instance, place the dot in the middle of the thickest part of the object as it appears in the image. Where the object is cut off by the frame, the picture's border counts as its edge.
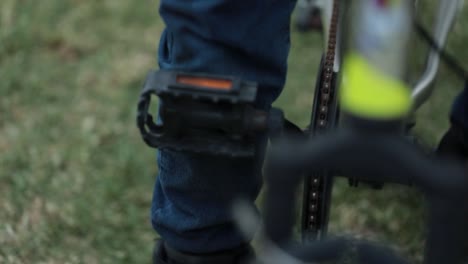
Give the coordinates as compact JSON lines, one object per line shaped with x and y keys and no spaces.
{"x":164,"y":254}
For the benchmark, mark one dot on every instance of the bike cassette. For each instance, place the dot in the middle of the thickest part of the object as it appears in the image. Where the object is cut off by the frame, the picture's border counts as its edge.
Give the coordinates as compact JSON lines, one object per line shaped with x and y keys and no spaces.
{"x":203,"y":114}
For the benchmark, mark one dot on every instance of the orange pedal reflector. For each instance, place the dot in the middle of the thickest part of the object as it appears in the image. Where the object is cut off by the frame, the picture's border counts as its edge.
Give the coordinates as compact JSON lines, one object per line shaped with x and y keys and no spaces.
{"x":216,"y":84}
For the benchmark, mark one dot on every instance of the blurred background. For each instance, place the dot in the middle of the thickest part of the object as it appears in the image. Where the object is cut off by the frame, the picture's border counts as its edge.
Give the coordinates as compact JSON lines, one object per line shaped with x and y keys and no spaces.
{"x":76,"y":179}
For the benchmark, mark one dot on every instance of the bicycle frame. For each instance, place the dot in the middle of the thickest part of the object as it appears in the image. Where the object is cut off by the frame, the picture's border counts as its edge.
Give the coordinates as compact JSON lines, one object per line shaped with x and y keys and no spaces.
{"x":352,"y":153}
{"x":445,"y":19}
{"x":422,"y":89}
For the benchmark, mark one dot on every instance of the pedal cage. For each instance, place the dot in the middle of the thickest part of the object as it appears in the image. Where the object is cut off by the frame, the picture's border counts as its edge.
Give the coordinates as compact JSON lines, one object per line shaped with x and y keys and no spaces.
{"x":201,"y":113}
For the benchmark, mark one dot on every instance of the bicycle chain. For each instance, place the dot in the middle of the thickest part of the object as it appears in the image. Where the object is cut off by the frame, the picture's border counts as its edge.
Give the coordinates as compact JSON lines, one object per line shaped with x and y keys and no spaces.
{"x":325,"y":98}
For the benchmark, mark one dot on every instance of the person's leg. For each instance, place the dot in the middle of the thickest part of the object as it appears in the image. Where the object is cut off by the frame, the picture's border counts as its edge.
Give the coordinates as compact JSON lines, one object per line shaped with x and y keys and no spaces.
{"x":454,"y":143}
{"x":249,"y":39}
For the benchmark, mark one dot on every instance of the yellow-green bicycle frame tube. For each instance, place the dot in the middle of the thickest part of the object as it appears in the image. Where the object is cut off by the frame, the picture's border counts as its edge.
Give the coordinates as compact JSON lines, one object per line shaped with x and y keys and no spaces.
{"x":372,"y":81}
{"x":369,"y":93}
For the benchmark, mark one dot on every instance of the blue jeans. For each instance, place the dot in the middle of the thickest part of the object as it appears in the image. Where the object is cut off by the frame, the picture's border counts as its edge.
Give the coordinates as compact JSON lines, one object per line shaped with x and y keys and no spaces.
{"x":250,"y":39}
{"x":460,"y":109}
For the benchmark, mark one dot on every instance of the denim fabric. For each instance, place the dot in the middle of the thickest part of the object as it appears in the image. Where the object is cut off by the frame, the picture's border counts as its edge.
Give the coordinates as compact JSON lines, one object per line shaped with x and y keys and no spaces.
{"x":250,"y":39}
{"x":459,"y":112}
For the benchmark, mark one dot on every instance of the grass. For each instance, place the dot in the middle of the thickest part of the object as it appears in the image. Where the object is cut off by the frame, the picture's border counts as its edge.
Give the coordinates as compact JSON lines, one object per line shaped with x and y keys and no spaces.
{"x":76,"y":179}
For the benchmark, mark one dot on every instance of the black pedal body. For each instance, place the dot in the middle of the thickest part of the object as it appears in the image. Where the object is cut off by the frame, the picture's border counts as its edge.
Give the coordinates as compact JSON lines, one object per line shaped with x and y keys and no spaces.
{"x":201,"y":113}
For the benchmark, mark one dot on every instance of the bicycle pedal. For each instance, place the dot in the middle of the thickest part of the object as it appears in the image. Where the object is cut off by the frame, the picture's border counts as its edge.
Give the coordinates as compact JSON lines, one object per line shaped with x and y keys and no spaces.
{"x":202,"y":113}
